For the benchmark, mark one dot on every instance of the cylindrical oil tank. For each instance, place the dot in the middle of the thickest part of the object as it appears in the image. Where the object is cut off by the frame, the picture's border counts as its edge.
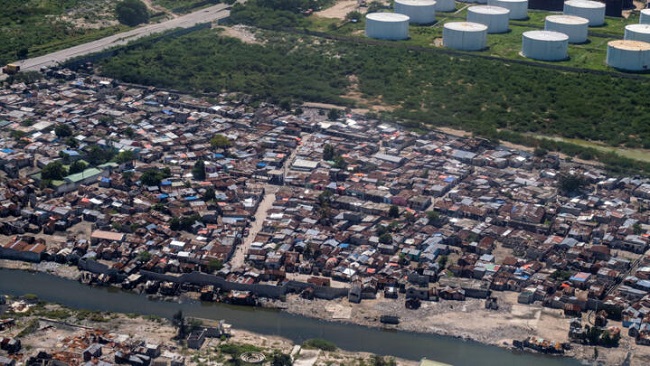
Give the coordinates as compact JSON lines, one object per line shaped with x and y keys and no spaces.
{"x":575,"y":27}
{"x":628,"y":55}
{"x":495,"y":17}
{"x":545,"y":45}
{"x":645,"y":16}
{"x":420,"y":11}
{"x":637,"y":32}
{"x":445,"y":5}
{"x":518,"y":8}
{"x":387,"y":26}
{"x":465,"y":36}
{"x":590,"y":10}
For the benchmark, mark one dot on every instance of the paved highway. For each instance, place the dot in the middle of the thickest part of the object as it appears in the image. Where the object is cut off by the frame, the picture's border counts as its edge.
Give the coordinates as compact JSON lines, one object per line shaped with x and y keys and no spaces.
{"x":206,"y":15}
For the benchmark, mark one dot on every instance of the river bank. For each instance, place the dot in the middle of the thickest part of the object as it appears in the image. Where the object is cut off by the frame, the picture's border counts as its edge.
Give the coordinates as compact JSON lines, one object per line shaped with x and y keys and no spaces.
{"x":70,"y":329}
{"x":467,"y":320}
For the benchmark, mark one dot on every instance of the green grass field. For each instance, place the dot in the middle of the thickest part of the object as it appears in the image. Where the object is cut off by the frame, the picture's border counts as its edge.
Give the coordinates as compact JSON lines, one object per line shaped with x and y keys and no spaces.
{"x":590,"y":55}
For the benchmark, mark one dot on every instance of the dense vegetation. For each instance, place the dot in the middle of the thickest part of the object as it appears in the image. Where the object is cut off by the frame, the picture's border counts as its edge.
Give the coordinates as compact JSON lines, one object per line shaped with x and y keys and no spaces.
{"x":276,"y":14}
{"x":185,"y":6}
{"x":471,"y":93}
{"x":31,"y":28}
{"x":131,"y":12}
{"x":203,"y":62}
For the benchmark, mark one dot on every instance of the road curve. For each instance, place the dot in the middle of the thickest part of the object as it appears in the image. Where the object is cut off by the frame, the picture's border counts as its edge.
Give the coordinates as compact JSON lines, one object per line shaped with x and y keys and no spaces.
{"x":206,"y":15}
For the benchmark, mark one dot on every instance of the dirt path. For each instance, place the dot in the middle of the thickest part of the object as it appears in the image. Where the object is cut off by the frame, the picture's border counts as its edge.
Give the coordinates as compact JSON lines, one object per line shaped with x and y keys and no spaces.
{"x":339,"y":10}
{"x":157,"y":8}
{"x":260,"y":215}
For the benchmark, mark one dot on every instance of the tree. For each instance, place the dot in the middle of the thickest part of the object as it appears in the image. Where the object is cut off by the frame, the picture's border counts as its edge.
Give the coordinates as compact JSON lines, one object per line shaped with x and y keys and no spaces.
{"x":353,"y":16}
{"x":340,"y":163}
{"x":328,"y":152}
{"x":72,"y":142}
{"x":281,"y":359}
{"x":214,"y":265}
{"x":62,"y":130}
{"x":144,"y":256}
{"x":198,"y":171}
{"x":386,"y":238}
{"x":540,"y":152}
{"x":77,"y":167}
{"x":333,"y":114}
{"x":570,"y":183}
{"x":151,"y":177}
{"x":432,"y":216}
{"x":22,"y":53}
{"x":131,"y":12}
{"x":178,"y":320}
{"x":393,"y":211}
{"x":442,"y":261}
{"x":209,"y":194}
{"x":54,"y":171}
{"x":125,"y":156}
{"x":220,"y":141}
{"x":97,"y":155}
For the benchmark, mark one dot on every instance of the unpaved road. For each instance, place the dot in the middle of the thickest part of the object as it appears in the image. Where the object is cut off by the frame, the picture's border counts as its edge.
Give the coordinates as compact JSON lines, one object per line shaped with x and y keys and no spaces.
{"x":206,"y":15}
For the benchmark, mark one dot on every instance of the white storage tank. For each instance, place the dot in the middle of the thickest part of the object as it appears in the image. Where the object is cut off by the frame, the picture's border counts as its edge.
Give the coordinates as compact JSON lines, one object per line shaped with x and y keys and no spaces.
{"x":420,"y":11}
{"x":465,"y":36}
{"x":518,"y":8}
{"x":545,"y":45}
{"x":590,"y":10}
{"x":645,"y":16}
{"x":495,"y":17}
{"x":637,"y":32}
{"x":387,"y":26}
{"x":445,"y":5}
{"x":577,"y":28}
{"x":628,"y":55}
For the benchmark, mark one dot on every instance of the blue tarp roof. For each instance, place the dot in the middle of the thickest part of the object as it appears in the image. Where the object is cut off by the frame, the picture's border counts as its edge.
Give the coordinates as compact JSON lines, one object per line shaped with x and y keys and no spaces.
{"x":162,"y":196}
{"x":166,"y":183}
{"x":219,"y":156}
{"x":191,"y":198}
{"x":261,"y":164}
{"x":106,"y":180}
{"x":71,"y":152}
{"x":7,"y":151}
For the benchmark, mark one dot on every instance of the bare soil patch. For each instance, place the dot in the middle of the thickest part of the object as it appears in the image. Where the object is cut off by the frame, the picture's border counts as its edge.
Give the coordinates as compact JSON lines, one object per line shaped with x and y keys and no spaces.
{"x":241,"y":32}
{"x":338,"y":10}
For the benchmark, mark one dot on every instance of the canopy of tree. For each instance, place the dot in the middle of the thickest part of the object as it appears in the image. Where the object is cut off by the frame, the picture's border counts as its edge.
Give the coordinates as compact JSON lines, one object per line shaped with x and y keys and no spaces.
{"x":54,"y":171}
{"x":131,"y":12}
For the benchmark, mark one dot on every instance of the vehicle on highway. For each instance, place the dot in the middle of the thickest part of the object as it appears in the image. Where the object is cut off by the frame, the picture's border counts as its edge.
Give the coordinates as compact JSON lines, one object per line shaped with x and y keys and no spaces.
{"x":11,"y":69}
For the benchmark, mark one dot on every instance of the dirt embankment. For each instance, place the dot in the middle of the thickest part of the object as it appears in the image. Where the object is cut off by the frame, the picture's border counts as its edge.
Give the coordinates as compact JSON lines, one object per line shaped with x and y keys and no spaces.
{"x":470,"y":320}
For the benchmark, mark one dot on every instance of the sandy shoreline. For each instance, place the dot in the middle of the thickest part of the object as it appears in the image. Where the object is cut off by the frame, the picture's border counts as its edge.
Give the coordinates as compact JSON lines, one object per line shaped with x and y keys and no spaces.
{"x":467,"y":320}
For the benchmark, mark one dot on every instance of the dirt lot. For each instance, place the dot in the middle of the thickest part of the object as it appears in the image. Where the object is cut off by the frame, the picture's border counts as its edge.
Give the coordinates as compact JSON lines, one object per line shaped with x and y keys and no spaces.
{"x":241,"y":32}
{"x":55,"y":329}
{"x":469,"y":319}
{"x":339,"y":10}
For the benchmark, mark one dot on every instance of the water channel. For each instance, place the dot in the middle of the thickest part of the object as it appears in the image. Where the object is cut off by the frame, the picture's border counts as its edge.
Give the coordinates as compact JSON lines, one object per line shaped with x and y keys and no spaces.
{"x":412,"y":346}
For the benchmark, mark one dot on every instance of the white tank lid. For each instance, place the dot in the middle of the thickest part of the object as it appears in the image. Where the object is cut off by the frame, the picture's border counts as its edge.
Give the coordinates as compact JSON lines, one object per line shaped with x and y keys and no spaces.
{"x":585,"y":4}
{"x":488,"y":9}
{"x":544,"y":35}
{"x":466,"y":26}
{"x":567,"y":19}
{"x":416,"y":2}
{"x":623,"y":44}
{"x":388,"y":17}
{"x":638,"y":28}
